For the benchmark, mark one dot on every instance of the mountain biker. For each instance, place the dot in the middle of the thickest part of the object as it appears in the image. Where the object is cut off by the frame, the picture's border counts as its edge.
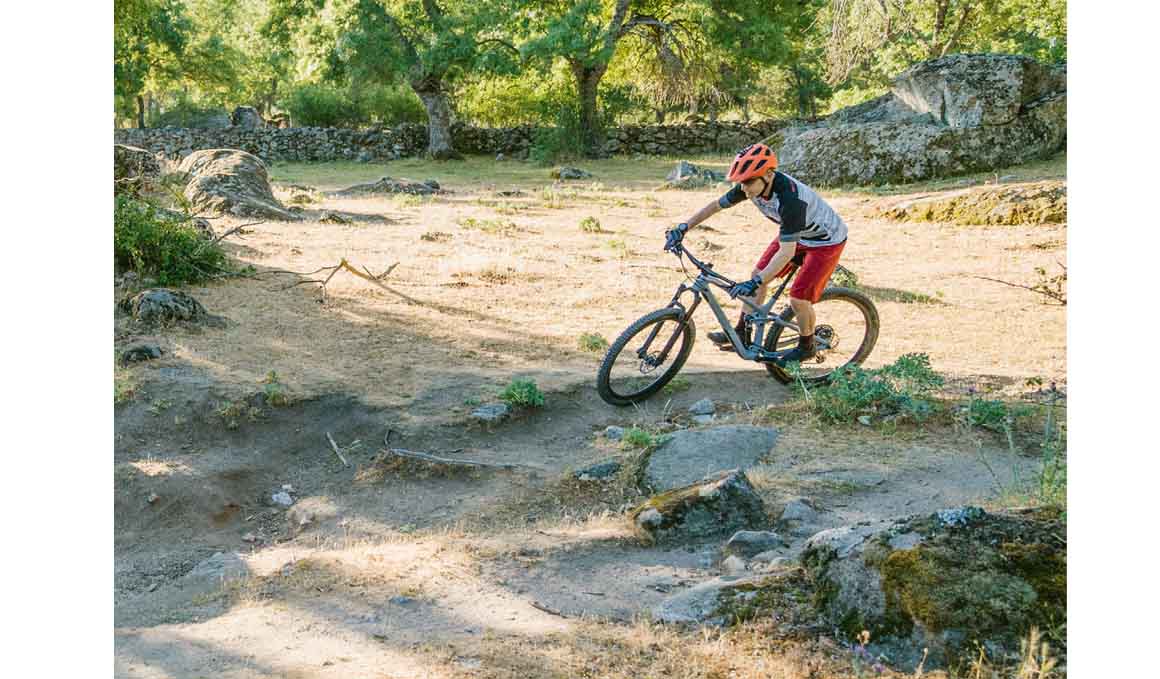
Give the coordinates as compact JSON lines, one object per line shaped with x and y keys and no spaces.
{"x":811,"y":235}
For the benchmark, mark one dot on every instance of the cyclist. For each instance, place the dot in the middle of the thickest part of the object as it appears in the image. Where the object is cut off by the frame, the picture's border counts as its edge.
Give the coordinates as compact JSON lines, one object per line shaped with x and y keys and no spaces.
{"x":811,"y":235}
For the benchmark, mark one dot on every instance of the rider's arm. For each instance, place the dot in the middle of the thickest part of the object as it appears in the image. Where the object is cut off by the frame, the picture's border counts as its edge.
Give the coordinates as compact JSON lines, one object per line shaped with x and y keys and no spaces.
{"x":735,"y":196}
{"x":792,"y":211}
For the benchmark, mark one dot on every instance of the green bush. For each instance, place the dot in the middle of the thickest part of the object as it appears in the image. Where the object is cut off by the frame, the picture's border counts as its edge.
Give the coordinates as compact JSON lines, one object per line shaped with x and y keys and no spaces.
{"x":156,"y":244}
{"x":593,"y":342}
{"x":389,"y":105}
{"x":314,"y":105}
{"x":186,"y":113}
{"x":590,"y":225}
{"x":561,"y":142}
{"x":902,"y":388}
{"x":991,"y":414}
{"x":522,"y":394}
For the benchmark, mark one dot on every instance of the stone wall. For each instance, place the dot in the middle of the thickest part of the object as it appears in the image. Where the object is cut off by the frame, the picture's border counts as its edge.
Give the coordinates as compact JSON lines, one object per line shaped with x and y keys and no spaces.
{"x":318,"y":143}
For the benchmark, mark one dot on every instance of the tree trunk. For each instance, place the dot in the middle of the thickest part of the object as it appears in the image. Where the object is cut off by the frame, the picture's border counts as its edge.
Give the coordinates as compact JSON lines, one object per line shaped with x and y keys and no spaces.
{"x":713,"y":113}
{"x":439,"y":146}
{"x":660,"y":113}
{"x":140,"y":112}
{"x":587,"y":82}
{"x":745,"y":110}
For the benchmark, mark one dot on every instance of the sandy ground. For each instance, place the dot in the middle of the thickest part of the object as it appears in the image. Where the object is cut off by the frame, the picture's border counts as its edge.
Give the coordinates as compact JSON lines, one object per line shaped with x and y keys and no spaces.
{"x":499,"y":573}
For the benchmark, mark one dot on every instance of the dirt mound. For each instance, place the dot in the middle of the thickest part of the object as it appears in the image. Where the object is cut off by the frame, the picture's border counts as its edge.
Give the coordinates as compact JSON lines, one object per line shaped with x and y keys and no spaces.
{"x":1035,"y":203}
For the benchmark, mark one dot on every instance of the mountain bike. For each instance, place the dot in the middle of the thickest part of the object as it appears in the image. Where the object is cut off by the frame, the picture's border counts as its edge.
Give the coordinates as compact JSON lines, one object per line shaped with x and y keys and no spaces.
{"x":651,"y":351}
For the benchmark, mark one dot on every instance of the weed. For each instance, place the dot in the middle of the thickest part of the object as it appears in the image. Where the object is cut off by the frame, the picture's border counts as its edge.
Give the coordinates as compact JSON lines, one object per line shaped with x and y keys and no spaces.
{"x":411,"y":200}
{"x":901,"y":390}
{"x":435,"y":237}
{"x":844,"y":278}
{"x":593,"y":342}
{"x":276,"y":392}
{"x":590,"y":225}
{"x":620,"y":247}
{"x":522,"y":394}
{"x":159,"y":405}
{"x":232,"y":413}
{"x":158,"y":244}
{"x":677,"y":384}
{"x":995,"y":415}
{"x":471,"y":401}
{"x":638,"y":438}
{"x":498,"y":226}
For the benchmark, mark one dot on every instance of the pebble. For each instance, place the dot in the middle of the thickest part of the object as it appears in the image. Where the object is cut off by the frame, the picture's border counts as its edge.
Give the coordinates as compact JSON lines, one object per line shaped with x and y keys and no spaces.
{"x":282,"y":498}
{"x":613,"y":432}
{"x":702,"y":407}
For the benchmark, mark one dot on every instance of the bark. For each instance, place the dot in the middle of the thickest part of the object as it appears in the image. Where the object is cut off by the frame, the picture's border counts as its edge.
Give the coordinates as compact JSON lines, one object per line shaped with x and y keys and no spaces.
{"x":587,"y":83}
{"x":660,"y":113}
{"x":140,"y":112}
{"x":434,"y":98}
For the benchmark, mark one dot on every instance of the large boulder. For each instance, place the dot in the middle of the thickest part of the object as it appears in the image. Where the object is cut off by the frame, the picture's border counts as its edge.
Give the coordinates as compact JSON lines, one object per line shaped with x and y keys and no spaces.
{"x":686,"y":175}
{"x":133,"y":169}
{"x":229,"y":181}
{"x":945,"y":582}
{"x":958,"y":114}
{"x":246,"y":117}
{"x":689,"y":455}
{"x":1042,"y":202}
{"x":722,"y":503}
{"x":387,"y":186}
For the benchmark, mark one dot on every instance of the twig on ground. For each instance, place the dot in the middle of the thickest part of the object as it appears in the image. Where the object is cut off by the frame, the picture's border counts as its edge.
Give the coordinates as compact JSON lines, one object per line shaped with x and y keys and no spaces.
{"x":344,"y":265}
{"x":236,"y":229}
{"x":428,"y":457}
{"x":539,"y":606}
{"x":334,"y":447}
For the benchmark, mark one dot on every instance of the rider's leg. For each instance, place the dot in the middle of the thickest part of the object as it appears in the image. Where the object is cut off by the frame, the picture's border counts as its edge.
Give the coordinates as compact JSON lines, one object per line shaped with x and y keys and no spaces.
{"x":803,"y":313}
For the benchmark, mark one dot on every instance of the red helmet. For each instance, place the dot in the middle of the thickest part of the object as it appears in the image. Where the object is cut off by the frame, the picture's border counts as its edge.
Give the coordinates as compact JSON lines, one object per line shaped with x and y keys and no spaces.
{"x":752,"y":161}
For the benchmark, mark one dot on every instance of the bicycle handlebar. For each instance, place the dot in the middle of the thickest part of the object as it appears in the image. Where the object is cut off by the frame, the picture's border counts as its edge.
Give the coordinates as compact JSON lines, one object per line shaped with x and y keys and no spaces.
{"x":706,"y":269}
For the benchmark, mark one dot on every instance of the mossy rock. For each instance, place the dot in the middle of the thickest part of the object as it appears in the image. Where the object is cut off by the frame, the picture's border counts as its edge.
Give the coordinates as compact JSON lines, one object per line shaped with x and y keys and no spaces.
{"x":1033,"y":203}
{"x":722,"y":503}
{"x":949,"y":586}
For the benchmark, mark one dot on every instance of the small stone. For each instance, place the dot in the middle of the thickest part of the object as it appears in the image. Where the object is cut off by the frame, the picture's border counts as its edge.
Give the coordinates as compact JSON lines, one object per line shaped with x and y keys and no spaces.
{"x":250,"y":537}
{"x":141,"y":352}
{"x":499,"y":157}
{"x":864,"y":419}
{"x":749,"y":542}
{"x":282,"y":498}
{"x":570,"y":173}
{"x":733,"y":565}
{"x":599,"y":471}
{"x":287,"y":487}
{"x":153,"y":498}
{"x":702,"y":407}
{"x":613,"y":432}
{"x":400,"y":600}
{"x":491,"y":412}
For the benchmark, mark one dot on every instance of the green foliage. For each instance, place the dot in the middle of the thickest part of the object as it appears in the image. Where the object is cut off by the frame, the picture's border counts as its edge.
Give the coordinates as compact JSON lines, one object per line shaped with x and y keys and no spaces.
{"x":593,"y":342}
{"x":186,"y":113}
{"x":638,"y":438}
{"x":276,"y":393}
{"x":995,"y":415}
{"x":522,"y":394}
{"x":559,"y":142}
{"x":314,"y":105}
{"x":155,"y":244}
{"x":676,"y":385}
{"x":590,"y":225}
{"x":844,"y":278}
{"x":902,"y":389}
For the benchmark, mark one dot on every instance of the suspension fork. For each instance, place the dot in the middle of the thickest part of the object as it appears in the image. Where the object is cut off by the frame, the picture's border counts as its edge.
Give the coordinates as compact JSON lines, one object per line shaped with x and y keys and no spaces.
{"x":686,"y":314}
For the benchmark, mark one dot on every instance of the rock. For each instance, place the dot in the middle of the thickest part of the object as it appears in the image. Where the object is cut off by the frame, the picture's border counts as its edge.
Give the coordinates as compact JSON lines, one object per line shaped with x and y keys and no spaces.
{"x":246,"y":117}
{"x":722,"y":503}
{"x":282,"y":498}
{"x":141,"y":352}
{"x":958,"y":114}
{"x":689,"y":455}
{"x":689,"y":176}
{"x":400,"y":600}
{"x":703,"y":419}
{"x":613,"y":432}
{"x":701,"y":603}
{"x":388,"y":186}
{"x":250,"y":537}
{"x":329,"y":217}
{"x":229,"y":181}
{"x":1042,"y":202}
{"x":213,"y":572}
{"x":733,"y":565}
{"x":364,"y":157}
{"x":748,"y":543}
{"x":946,"y":582}
{"x":491,"y":412}
{"x":499,"y":158}
{"x":310,"y":511}
{"x":798,"y":509}
{"x":162,"y":305}
{"x":134,"y":169}
{"x":599,"y":471}
{"x":702,"y":407}
{"x":570,"y":173}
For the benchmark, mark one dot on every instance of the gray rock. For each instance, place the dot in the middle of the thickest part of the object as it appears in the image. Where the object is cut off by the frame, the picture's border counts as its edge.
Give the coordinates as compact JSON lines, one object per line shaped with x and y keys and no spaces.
{"x":229,"y":181}
{"x":400,"y":600}
{"x":491,"y":412}
{"x":134,"y":169}
{"x":689,"y":455}
{"x":599,"y":471}
{"x":613,"y":432}
{"x":387,"y":186}
{"x":499,"y":158}
{"x":570,"y":173}
{"x":247,"y":118}
{"x":798,"y":509}
{"x":733,"y":565}
{"x":282,"y":498}
{"x":215,"y":571}
{"x":689,"y":176}
{"x":960,"y":516}
{"x":162,"y":305}
{"x":768,"y":557}
{"x":141,"y":352}
{"x":723,"y":503}
{"x":703,"y":419}
{"x":747,"y":543}
{"x":702,"y":407}
{"x":364,"y":157}
{"x":699,"y":604}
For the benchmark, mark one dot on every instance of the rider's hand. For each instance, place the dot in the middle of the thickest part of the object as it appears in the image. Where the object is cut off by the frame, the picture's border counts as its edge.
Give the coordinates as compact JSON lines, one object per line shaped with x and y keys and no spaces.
{"x":745,"y":289}
{"x":673,"y":236}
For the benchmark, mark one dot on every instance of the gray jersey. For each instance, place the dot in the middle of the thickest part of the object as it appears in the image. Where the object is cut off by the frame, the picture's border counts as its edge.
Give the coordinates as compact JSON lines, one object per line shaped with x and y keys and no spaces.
{"x":802,"y":214}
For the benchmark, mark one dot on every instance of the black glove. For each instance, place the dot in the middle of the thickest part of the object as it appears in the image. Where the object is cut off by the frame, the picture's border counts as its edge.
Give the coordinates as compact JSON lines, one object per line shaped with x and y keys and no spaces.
{"x":745,"y":289}
{"x":673,"y":236}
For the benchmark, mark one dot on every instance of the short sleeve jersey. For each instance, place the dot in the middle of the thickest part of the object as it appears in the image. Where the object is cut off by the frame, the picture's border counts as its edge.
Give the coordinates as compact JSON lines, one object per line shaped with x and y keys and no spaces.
{"x":800,"y":212}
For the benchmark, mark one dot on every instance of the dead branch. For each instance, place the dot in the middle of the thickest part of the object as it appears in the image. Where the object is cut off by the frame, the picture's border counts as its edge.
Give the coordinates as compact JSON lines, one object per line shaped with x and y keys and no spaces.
{"x":542,"y":607}
{"x":334,"y":447}
{"x":236,"y":229}
{"x":1040,"y":289}
{"x":343,"y":265}
{"x":428,"y":457}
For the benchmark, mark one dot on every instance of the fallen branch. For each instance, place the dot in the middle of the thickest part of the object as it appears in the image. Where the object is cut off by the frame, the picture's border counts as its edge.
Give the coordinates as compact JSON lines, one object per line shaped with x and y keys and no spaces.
{"x":232,"y":231}
{"x":428,"y":457}
{"x":334,"y":447}
{"x":343,"y":265}
{"x":1058,"y":298}
{"x":542,"y":607}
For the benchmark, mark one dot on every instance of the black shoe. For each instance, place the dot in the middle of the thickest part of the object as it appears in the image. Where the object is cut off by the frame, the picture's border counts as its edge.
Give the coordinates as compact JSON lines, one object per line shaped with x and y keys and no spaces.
{"x":721,"y":339}
{"x":797,"y":355}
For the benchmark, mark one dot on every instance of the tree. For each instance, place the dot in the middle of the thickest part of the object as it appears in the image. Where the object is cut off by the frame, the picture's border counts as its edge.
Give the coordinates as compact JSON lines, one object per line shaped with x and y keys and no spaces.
{"x":429,"y":45}
{"x":149,"y":41}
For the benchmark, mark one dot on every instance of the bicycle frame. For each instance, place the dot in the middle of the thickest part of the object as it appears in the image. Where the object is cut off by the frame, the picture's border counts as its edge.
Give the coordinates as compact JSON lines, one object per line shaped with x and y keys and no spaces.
{"x":760,"y":316}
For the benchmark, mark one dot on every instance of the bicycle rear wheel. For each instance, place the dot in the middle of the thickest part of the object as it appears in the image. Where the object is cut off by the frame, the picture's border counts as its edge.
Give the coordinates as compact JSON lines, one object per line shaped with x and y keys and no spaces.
{"x":846,"y":330}
{"x":632,"y":370}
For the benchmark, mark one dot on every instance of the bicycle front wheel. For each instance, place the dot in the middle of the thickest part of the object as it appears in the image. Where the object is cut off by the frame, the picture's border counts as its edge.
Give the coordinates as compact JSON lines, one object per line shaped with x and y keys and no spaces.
{"x":637,"y":364}
{"x":846,"y":329}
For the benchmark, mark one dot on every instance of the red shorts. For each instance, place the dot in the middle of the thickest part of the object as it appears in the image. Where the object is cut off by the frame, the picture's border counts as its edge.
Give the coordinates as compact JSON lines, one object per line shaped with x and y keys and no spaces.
{"x":817,"y":265}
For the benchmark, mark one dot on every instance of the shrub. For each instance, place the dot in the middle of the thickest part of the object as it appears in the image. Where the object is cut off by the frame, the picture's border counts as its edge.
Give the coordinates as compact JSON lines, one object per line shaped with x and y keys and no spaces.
{"x":561,"y":142}
{"x":902,"y":388}
{"x":590,"y":225}
{"x":321,"y":106}
{"x":637,"y":438}
{"x":389,"y":105}
{"x":275,"y":391}
{"x":522,"y":394}
{"x":156,"y":244}
{"x":844,"y":278}
{"x":593,"y":342}
{"x":991,"y":414}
